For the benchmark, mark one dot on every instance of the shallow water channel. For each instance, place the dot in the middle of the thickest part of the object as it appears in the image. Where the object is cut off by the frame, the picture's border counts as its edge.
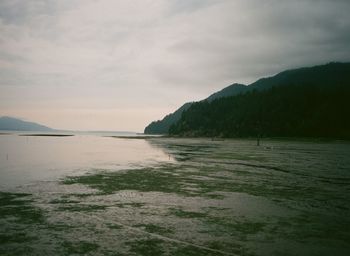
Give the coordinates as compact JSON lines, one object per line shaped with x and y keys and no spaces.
{"x":93,"y":195}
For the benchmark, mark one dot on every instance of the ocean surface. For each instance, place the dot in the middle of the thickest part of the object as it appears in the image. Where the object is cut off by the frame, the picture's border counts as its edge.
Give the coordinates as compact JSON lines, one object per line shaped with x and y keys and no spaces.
{"x":93,"y":194}
{"x":27,"y":159}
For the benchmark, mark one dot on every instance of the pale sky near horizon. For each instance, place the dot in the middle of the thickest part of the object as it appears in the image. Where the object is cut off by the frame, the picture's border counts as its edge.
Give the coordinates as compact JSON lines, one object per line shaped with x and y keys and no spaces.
{"x":118,"y":65}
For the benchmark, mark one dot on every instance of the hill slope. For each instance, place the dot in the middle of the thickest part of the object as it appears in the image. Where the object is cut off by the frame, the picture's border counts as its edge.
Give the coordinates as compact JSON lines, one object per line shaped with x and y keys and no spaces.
{"x":14,"y":124}
{"x":307,"y":102}
{"x":162,"y":126}
{"x":323,"y":75}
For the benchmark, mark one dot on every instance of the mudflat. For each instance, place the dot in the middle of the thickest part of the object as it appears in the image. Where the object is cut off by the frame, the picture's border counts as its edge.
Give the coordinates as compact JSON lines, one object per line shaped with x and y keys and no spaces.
{"x":196,"y":197}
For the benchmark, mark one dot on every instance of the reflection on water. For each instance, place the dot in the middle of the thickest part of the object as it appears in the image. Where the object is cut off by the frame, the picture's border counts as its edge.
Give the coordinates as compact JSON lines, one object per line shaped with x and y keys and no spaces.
{"x":165,"y":196}
{"x":25,"y":159}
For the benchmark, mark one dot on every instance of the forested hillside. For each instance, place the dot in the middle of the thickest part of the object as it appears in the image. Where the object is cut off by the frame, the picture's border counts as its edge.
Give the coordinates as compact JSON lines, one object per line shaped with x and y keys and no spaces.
{"x":253,"y":109}
{"x":162,"y":126}
{"x":306,"y":102}
{"x":288,"y":111}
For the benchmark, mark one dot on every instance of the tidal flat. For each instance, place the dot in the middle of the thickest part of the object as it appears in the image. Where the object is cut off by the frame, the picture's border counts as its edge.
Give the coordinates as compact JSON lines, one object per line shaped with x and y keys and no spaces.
{"x":181,"y":197}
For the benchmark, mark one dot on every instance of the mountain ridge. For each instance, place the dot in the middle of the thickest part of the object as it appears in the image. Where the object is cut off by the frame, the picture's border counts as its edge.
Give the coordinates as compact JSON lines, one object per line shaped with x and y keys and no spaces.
{"x":162,"y":126}
{"x":325,"y":75}
{"x":308,"y":102}
{"x":16,"y":124}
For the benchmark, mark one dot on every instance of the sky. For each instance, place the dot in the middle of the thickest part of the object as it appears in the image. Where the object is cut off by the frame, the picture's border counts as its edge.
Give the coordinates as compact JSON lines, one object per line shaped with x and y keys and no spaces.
{"x":118,"y":65}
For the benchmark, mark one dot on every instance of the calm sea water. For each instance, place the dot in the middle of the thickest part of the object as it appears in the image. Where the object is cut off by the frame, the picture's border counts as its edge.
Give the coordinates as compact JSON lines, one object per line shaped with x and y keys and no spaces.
{"x":95,"y":195}
{"x":28,"y":159}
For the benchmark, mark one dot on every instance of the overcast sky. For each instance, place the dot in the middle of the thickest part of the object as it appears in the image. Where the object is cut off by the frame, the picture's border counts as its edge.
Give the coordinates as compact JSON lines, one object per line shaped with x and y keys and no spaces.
{"x":117,"y":65}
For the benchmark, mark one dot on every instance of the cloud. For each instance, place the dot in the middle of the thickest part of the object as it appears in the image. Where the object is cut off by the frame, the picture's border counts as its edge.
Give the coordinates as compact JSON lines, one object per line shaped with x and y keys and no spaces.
{"x":74,"y":54}
{"x":254,"y":39}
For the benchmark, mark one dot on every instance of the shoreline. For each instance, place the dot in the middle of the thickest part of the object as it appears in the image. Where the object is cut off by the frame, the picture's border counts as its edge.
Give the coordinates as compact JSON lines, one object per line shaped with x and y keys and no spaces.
{"x":47,"y":135}
{"x":217,"y":139}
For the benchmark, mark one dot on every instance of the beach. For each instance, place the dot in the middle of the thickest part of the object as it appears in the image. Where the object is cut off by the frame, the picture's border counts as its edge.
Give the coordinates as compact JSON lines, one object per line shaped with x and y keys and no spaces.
{"x":173,"y":196}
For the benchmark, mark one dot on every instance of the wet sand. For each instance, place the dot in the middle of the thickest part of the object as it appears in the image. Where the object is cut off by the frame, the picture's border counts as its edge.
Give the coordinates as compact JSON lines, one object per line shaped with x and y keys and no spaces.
{"x":211,"y":198}
{"x":47,"y":135}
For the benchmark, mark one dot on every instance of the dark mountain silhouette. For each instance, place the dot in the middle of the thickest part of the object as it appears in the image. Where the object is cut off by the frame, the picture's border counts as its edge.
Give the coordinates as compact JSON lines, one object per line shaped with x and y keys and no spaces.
{"x":162,"y":126}
{"x":305,"y":102}
{"x":228,"y":91}
{"x":323,"y":75}
{"x":14,"y":124}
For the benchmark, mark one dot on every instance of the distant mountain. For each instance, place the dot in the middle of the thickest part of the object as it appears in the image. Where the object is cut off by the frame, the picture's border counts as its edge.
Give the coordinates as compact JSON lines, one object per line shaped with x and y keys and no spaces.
{"x":306,"y":102}
{"x":14,"y":124}
{"x":162,"y":126}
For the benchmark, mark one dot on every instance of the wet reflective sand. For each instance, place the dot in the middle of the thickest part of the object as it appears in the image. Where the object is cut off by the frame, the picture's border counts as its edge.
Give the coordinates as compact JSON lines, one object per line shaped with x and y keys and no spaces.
{"x":178,"y":197}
